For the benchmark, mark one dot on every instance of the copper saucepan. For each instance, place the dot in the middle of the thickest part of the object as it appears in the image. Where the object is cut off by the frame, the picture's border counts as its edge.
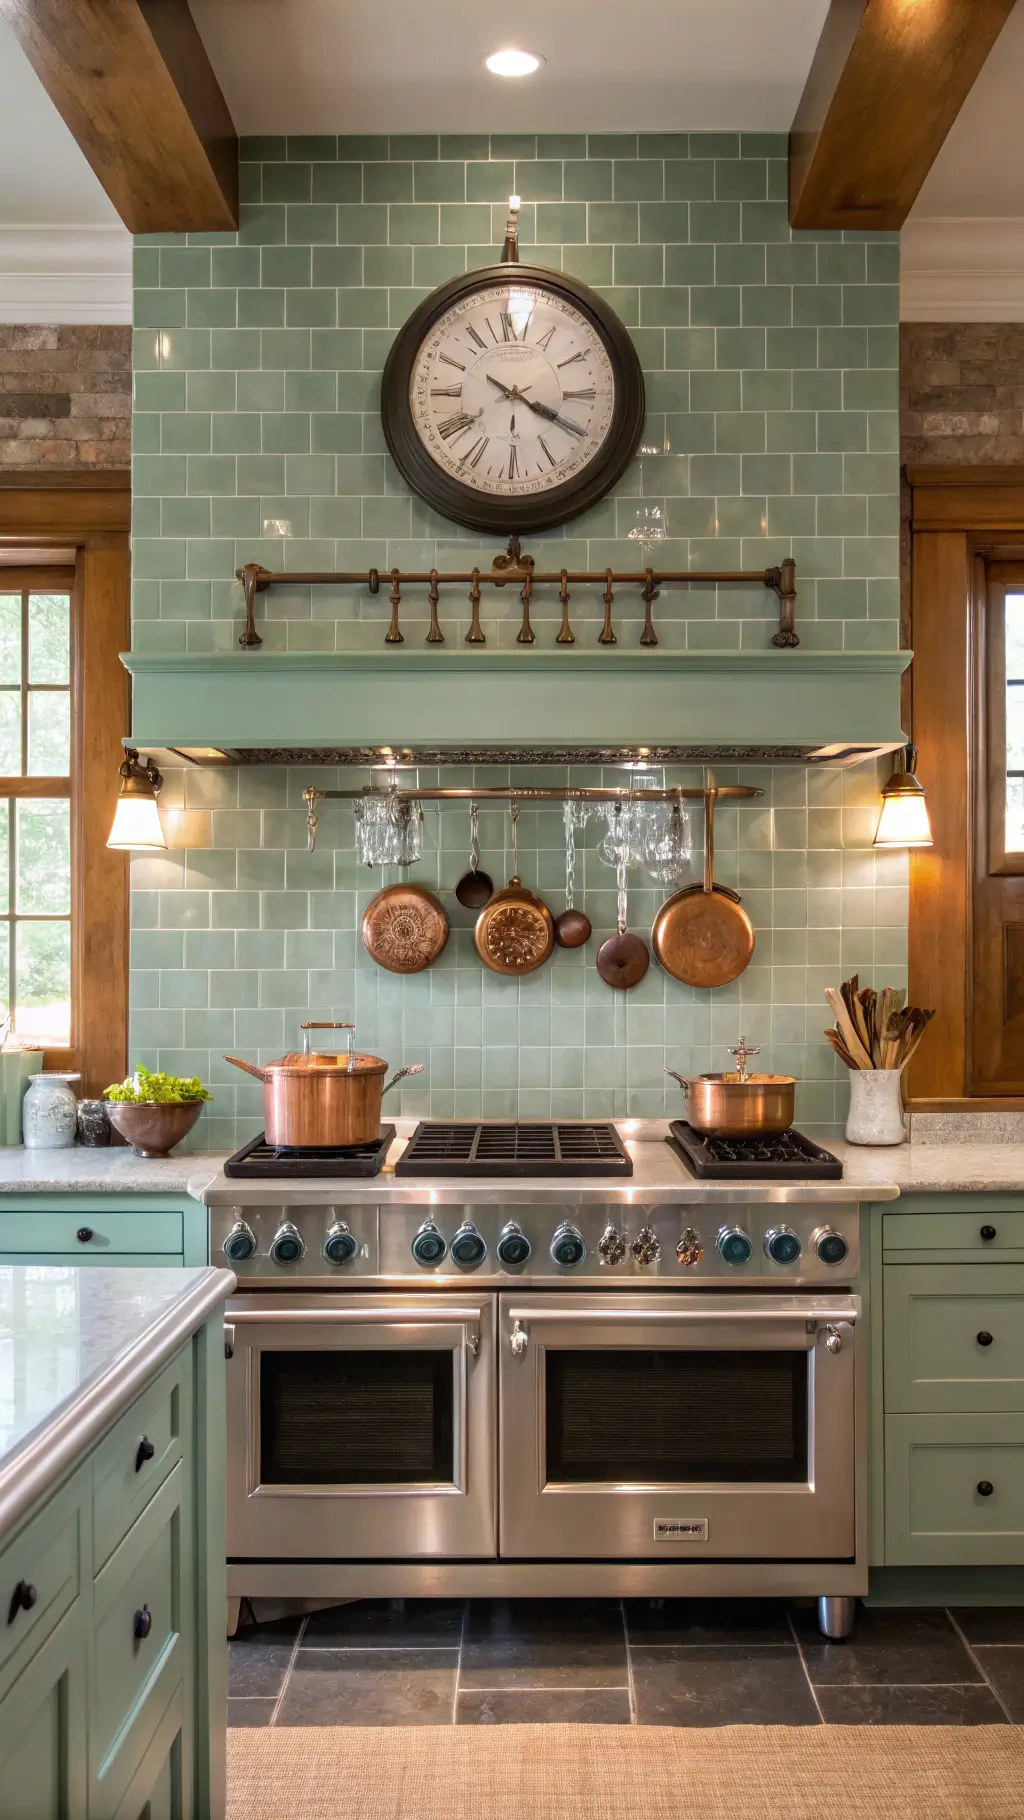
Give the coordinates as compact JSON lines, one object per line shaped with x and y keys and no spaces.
{"x":313,"y":1099}
{"x":701,"y":935}
{"x":738,"y":1104}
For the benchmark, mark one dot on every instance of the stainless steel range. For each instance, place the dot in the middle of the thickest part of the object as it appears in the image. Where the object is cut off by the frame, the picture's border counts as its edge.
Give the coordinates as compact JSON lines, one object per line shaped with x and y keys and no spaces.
{"x":544,"y":1380}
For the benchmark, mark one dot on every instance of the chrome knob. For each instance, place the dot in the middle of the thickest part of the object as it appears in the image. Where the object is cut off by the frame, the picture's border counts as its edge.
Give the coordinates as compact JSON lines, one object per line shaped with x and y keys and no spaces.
{"x":287,"y":1246}
{"x":240,"y":1243}
{"x":781,"y":1245}
{"x":518,"y":1340}
{"x":646,"y":1247}
{"x":429,"y":1246}
{"x":513,"y":1247}
{"x":611,"y":1247}
{"x":689,"y":1249}
{"x":567,"y":1246}
{"x":734,"y":1246}
{"x":340,"y":1246}
{"x":468,"y":1248}
{"x":833,"y":1339}
{"x":829,"y":1246}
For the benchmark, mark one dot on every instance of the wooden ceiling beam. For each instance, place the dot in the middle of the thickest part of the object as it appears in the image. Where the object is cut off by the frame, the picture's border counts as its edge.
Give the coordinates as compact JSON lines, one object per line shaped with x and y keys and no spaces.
{"x":887,"y":82}
{"x":134,"y":84}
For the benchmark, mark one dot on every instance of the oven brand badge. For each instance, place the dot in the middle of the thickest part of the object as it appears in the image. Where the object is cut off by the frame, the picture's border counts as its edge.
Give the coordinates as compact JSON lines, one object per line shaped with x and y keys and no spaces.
{"x":680,"y":1529}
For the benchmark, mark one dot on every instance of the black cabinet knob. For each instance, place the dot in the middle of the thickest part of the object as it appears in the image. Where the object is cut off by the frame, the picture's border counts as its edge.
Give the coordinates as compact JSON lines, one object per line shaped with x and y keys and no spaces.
{"x":988,"y":1233}
{"x":985,"y":1488}
{"x":984,"y":1339}
{"x":143,"y":1624}
{"x":23,"y":1598}
{"x":146,"y":1450}
{"x":84,"y":1234}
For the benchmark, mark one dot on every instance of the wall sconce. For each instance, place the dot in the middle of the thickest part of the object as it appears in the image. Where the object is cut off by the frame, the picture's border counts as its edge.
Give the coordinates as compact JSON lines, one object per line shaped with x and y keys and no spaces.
{"x":903,"y":821}
{"x":137,"y":818}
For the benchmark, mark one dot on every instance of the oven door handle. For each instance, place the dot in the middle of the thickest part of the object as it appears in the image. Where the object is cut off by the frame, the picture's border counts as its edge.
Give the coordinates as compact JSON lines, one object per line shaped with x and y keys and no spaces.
{"x":442,"y":1316}
{"x":811,"y":1314}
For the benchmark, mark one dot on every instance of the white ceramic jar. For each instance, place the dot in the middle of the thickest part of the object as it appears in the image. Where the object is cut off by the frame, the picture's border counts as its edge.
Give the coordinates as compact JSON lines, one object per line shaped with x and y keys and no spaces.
{"x":49,"y":1112}
{"x":876,"y":1107}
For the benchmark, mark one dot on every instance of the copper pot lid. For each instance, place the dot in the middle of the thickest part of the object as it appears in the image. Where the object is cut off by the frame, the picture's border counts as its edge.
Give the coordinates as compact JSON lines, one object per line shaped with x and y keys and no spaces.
{"x":404,"y":928}
{"x":326,"y":1061}
{"x":748,"y":1080}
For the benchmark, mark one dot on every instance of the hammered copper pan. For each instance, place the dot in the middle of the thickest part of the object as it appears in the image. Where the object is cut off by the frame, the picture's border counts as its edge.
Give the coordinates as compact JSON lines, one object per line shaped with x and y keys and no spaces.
{"x":515,"y":932}
{"x":701,"y":935}
{"x":404,"y":928}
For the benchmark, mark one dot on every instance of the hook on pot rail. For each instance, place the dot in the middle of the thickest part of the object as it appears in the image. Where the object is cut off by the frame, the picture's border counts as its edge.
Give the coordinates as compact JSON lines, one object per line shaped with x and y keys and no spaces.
{"x":514,"y":569}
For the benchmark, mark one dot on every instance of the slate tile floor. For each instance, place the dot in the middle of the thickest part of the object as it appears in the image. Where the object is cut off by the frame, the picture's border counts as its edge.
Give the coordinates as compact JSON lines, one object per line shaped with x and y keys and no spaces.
{"x":623,"y":1662}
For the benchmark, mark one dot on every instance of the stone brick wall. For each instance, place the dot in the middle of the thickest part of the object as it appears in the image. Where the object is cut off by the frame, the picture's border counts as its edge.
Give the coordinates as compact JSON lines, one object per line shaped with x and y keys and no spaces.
{"x":962,"y":392}
{"x":65,"y":396}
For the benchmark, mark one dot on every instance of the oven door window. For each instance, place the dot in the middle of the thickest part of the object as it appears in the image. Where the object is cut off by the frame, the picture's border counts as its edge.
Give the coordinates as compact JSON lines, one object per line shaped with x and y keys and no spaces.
{"x":357,"y":1417}
{"x":676,"y":1417}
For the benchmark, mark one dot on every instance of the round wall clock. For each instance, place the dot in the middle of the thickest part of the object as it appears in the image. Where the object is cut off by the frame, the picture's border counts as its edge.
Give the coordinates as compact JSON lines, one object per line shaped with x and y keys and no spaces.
{"x":512,"y":399}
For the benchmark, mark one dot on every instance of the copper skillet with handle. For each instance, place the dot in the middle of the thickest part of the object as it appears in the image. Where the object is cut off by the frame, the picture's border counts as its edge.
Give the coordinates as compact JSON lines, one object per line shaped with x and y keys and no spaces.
{"x":702,"y":936}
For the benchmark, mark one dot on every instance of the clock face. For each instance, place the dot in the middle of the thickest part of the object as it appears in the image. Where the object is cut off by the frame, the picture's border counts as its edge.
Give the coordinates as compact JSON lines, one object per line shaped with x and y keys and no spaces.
{"x":512,"y":399}
{"x":512,"y":392}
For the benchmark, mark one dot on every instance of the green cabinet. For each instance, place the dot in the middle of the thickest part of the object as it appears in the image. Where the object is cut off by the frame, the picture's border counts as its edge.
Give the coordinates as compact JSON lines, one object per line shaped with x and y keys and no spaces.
{"x":955,"y":1490}
{"x":954,"y":1337}
{"x":130,"y":1229}
{"x":113,"y":1666}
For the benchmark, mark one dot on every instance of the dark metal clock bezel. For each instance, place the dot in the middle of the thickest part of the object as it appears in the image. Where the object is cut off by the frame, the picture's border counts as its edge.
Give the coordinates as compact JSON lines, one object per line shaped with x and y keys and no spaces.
{"x":542,"y":511}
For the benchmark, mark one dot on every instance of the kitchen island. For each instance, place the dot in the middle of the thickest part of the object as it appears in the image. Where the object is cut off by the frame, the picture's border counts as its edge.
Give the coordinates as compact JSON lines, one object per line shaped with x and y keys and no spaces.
{"x":112,"y":1661}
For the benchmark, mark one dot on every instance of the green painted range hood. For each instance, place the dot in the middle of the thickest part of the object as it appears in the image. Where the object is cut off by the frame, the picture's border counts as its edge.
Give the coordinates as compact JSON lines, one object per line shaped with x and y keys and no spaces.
{"x":455,"y":705}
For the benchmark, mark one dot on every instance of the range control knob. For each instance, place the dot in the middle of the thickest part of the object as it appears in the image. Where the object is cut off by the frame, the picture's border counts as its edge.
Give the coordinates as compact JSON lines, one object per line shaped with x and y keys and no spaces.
{"x":340,"y":1245}
{"x":734,"y":1246}
{"x":240,"y":1243}
{"x":646,"y":1247}
{"x":830,"y":1247}
{"x":611,"y":1247}
{"x":567,"y":1247}
{"x":468,"y":1248}
{"x":429,"y":1247}
{"x":287,"y":1246}
{"x":689,"y":1249}
{"x":781,"y":1245}
{"x":513,"y":1247}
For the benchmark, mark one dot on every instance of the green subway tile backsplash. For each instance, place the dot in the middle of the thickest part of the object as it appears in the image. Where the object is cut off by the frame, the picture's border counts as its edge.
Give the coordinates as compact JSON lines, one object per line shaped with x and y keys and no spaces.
{"x":771,"y":368}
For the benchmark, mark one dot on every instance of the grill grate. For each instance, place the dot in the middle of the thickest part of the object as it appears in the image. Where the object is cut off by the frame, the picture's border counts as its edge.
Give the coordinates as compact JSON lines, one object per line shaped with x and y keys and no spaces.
{"x":259,"y":1160}
{"x":510,"y":1149}
{"x":789,"y":1156}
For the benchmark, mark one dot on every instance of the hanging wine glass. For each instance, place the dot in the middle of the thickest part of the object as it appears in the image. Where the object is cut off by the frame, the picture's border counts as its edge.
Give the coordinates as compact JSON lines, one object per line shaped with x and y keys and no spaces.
{"x":665,"y":850}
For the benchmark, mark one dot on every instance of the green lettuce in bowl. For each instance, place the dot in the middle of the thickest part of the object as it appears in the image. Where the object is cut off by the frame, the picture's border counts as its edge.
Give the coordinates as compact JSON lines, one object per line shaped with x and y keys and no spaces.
{"x":153,"y":1111}
{"x":145,"y":1089}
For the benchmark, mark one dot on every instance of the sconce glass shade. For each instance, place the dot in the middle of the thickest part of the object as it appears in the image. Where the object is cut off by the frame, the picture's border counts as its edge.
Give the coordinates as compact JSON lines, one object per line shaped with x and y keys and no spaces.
{"x":903,"y":821}
{"x":136,"y":823}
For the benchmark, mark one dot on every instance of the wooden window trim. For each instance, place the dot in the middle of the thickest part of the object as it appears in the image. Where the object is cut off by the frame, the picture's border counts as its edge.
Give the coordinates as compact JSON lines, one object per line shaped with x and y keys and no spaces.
{"x":962,"y":521}
{"x":90,"y":514}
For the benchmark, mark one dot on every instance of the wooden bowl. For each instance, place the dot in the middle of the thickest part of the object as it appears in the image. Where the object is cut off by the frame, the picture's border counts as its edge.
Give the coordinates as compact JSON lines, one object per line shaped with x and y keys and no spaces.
{"x":153,"y":1127}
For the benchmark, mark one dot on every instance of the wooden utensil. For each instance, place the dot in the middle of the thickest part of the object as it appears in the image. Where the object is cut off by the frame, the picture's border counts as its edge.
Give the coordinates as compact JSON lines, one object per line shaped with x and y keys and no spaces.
{"x":572,"y":927}
{"x":515,"y":932}
{"x":404,"y":928}
{"x":702,"y":936}
{"x":623,"y":959}
{"x":475,"y":888}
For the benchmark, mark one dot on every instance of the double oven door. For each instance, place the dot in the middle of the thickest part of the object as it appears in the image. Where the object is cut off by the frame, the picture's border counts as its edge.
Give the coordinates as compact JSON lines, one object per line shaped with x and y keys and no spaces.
{"x":542,"y":1426}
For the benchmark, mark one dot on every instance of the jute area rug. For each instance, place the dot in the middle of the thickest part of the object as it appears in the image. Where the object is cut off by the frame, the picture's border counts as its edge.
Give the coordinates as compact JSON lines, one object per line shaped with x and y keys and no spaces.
{"x":609,"y":1772}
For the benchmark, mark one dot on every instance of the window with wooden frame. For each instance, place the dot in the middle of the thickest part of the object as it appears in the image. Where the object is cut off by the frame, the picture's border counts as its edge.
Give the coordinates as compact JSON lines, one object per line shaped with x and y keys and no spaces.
{"x":64,"y":582}
{"x":967,"y":893}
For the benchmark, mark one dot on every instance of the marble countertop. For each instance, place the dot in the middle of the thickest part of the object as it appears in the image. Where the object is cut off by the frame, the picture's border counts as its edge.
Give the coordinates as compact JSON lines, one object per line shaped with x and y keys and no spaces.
{"x":113,"y":1169}
{"x":76,"y":1347}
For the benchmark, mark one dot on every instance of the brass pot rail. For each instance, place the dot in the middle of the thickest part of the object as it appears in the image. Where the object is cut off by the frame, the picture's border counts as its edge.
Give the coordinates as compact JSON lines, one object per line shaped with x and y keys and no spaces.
{"x":525,"y":793}
{"x":516,"y":570}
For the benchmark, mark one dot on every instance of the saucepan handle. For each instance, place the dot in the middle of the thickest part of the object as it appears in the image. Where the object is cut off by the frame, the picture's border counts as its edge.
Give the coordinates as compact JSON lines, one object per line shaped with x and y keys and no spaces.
{"x":681,"y":1078}
{"x":413,"y":1068}
{"x":249,"y":1067}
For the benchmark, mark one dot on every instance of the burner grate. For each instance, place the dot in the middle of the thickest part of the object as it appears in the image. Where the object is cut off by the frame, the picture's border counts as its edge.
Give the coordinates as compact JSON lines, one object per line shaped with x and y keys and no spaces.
{"x":260,"y":1160}
{"x":510,"y":1149}
{"x":788,"y":1157}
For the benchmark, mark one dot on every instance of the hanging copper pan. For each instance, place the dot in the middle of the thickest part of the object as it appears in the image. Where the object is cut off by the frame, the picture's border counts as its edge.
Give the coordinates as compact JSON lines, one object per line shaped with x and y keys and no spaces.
{"x":515,"y":932}
{"x":701,"y":935}
{"x":404,"y":928}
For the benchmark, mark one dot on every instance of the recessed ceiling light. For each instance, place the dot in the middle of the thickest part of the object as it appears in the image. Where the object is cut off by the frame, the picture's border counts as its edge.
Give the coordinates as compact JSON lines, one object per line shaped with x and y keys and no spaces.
{"x":511,"y":62}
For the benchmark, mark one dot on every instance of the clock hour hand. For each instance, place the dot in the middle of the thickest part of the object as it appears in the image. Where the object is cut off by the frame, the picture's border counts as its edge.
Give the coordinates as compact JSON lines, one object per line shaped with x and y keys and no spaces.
{"x":510,"y":392}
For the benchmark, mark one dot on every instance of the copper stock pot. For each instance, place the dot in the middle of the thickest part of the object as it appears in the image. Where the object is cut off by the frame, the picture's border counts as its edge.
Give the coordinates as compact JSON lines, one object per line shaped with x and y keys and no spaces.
{"x":317,"y":1099}
{"x":738,"y":1104}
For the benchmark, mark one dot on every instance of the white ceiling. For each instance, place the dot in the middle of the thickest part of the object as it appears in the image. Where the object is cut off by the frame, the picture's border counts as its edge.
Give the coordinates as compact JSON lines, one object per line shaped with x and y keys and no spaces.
{"x":416,"y":66}
{"x":980,"y":169}
{"x":44,"y":179}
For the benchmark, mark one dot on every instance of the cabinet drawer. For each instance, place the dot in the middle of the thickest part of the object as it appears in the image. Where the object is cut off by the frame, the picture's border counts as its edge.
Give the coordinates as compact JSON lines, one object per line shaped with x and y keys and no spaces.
{"x":954,"y":1339}
{"x":955,"y":1232}
{"x":108,"y":1233}
{"x":137,"y":1455}
{"x":44,"y":1557}
{"x":133,"y":1675}
{"x":935,"y":1513}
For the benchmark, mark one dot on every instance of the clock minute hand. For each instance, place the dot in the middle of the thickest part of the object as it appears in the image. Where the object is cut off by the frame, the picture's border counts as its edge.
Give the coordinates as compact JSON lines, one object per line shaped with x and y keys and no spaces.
{"x":544,"y":410}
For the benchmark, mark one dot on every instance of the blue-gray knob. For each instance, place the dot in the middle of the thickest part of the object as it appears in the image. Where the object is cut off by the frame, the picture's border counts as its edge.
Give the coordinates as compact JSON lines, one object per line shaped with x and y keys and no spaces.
{"x":567,"y":1246}
{"x":339,"y":1246}
{"x":287,"y":1246}
{"x":781,"y":1245}
{"x":240,"y":1243}
{"x":468,"y":1248}
{"x":513,"y":1247}
{"x":429,"y":1246}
